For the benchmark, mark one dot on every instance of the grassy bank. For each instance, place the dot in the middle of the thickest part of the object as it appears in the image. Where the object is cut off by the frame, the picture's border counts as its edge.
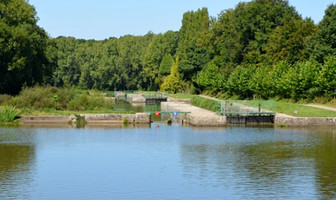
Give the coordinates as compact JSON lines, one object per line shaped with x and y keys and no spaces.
{"x":208,"y":104}
{"x":181,"y":96}
{"x":48,"y":100}
{"x":9,"y":114}
{"x":293,"y":109}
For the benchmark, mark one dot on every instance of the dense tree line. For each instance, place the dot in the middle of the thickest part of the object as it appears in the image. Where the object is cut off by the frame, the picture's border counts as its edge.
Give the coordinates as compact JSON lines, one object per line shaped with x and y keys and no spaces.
{"x":262,"y":48}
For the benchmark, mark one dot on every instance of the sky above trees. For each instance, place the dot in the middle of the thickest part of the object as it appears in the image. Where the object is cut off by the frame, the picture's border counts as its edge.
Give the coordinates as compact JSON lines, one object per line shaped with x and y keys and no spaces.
{"x":104,"y":18}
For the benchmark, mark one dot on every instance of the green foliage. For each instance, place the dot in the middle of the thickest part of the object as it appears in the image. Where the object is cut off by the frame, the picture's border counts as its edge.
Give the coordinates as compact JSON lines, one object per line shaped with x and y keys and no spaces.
{"x":4,"y":98}
{"x":289,"y":41}
{"x":210,"y":78}
{"x":324,"y":42}
{"x":166,"y":63}
{"x":238,"y":82}
{"x":205,"y":103}
{"x":41,"y":98}
{"x":80,"y":121}
{"x":9,"y":114}
{"x":193,"y":46}
{"x":22,"y":47}
{"x":326,"y":78}
{"x":125,"y":120}
{"x":255,"y":21}
{"x":261,"y":83}
{"x":172,"y":83}
{"x":159,"y":46}
{"x":259,"y":49}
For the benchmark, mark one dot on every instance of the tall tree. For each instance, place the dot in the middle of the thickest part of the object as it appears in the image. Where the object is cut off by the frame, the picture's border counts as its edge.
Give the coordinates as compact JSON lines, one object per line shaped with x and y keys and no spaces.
{"x":160,"y":45}
{"x":324,"y":43}
{"x":166,"y":63}
{"x":23,"y":46}
{"x":173,"y":83}
{"x":193,"y":47}
{"x":289,"y":41}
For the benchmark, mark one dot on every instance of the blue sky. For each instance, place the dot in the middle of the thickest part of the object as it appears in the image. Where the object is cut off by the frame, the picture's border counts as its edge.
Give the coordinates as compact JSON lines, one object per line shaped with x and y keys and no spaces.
{"x":101,"y":19}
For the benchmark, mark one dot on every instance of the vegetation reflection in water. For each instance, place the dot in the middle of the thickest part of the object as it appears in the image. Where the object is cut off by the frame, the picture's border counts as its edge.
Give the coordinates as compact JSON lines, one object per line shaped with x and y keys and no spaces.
{"x":121,"y":105}
{"x":167,"y":162}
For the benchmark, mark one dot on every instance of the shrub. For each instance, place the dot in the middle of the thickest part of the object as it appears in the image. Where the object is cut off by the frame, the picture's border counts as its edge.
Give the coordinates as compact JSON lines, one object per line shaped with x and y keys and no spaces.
{"x":9,"y":114}
{"x":41,"y":98}
{"x":4,"y":98}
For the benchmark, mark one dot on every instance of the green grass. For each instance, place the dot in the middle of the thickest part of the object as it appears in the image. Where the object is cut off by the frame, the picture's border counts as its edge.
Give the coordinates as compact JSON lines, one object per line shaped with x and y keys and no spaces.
{"x":331,"y":103}
{"x":181,"y":96}
{"x":293,"y":109}
{"x":9,"y":114}
{"x":48,"y":97}
{"x":208,"y":104}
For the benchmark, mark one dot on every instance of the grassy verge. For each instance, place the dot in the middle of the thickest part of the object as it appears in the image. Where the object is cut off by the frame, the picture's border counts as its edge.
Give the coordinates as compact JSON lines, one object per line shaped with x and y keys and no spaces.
{"x":331,"y":103}
{"x":293,"y":109}
{"x":9,"y":114}
{"x":204,"y":103}
{"x":181,"y":96}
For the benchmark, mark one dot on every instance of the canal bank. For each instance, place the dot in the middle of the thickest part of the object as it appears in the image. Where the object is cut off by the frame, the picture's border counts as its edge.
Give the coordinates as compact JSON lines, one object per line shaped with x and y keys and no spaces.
{"x":289,"y":121}
{"x":138,"y":118}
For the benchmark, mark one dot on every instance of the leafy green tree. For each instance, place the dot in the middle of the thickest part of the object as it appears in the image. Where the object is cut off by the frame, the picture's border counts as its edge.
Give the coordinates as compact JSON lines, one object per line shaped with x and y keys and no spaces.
{"x":306,"y":80}
{"x":255,"y":20}
{"x":238,"y":82}
{"x":260,"y":83}
{"x":166,"y":63}
{"x":225,"y":41}
{"x":210,"y":78}
{"x":326,"y":79}
{"x":324,"y":43}
{"x":289,"y":41}
{"x":23,"y":46}
{"x":193,"y":46}
{"x":68,"y":71}
{"x":160,"y":45}
{"x":277,"y":89}
{"x":173,"y":83}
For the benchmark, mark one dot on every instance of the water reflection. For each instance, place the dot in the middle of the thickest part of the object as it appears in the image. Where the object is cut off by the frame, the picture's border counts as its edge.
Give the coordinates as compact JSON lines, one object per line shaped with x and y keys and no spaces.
{"x":325,"y":163}
{"x":284,"y":163}
{"x":165,"y":162}
{"x":17,"y":160}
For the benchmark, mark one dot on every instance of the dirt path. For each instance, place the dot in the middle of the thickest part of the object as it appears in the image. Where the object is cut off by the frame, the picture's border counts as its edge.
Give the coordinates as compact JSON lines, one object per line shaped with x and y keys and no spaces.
{"x":322,"y":107}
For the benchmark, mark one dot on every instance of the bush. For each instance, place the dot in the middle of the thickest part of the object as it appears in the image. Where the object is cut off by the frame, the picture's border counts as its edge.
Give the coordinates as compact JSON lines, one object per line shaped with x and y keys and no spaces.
{"x":4,"y":98}
{"x":238,"y":82}
{"x":9,"y":114}
{"x":41,"y":98}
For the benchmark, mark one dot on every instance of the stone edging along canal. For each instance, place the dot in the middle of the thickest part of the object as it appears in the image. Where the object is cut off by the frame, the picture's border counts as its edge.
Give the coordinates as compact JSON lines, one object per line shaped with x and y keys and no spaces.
{"x":138,"y":118}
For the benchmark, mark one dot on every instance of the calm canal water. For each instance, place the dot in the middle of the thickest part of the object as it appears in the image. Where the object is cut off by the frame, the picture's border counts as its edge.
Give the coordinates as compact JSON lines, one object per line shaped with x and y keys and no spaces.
{"x":167,"y":162}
